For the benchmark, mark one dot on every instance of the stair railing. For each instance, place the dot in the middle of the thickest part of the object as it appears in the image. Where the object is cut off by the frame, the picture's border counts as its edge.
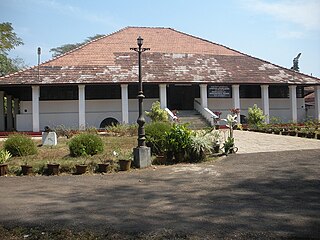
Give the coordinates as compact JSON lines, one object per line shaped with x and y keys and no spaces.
{"x":205,"y":112}
{"x":171,"y":115}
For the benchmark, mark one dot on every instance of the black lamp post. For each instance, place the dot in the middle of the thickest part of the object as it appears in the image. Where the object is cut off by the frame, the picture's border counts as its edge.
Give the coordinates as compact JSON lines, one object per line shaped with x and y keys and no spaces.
{"x":141,"y":121}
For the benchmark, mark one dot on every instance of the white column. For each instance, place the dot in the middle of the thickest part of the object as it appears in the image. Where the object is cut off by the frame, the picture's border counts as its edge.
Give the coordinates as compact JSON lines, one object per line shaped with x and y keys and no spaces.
{"x":9,"y":113}
{"x":163,"y":95}
{"x":317,"y":102}
{"x":2,"y":115}
{"x":203,"y":95}
{"x":15,"y":111}
{"x":293,"y":102}
{"x":236,"y":99}
{"x":82,"y":107}
{"x":35,"y":109}
{"x":265,"y":101}
{"x":124,"y":103}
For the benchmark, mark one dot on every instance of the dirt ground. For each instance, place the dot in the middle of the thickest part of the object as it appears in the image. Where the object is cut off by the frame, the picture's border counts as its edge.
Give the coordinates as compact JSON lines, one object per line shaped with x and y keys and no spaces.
{"x":243,"y":196}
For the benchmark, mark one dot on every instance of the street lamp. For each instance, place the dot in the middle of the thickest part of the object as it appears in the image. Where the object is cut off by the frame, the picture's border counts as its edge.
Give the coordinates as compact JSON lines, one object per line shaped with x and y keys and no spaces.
{"x":142,"y":153}
{"x":141,"y":121}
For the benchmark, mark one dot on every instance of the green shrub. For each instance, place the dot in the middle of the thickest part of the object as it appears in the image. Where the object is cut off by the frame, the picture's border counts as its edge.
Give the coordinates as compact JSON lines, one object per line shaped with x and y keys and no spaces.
{"x":255,"y":116}
{"x":177,"y":142}
{"x":157,"y":114}
{"x":20,"y":145}
{"x":85,"y":144}
{"x":155,"y":136}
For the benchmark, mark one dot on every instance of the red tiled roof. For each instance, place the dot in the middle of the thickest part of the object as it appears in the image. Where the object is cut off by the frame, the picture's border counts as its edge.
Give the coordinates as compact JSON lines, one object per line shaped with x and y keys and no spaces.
{"x":174,"y":57}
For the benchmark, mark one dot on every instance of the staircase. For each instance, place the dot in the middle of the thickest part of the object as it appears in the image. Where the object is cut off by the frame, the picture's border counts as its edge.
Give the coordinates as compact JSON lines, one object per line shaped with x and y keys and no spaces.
{"x":193,"y":118}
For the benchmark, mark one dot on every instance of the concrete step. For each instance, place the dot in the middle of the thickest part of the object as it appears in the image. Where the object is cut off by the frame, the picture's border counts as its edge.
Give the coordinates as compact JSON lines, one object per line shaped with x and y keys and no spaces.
{"x":193,"y":118}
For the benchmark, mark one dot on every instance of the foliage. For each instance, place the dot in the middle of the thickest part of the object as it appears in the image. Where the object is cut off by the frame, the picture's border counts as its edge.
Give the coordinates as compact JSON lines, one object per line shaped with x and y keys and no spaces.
{"x":20,"y":145}
{"x":8,"y":38}
{"x":123,"y":129}
{"x":4,"y":156}
{"x":231,"y":123}
{"x":177,"y":141}
{"x":228,"y":145}
{"x":70,"y":46}
{"x":255,"y":116}
{"x":85,"y":144}
{"x":157,"y":114}
{"x":8,"y":41}
{"x":200,"y":144}
{"x":275,"y":120}
{"x":156,"y":135}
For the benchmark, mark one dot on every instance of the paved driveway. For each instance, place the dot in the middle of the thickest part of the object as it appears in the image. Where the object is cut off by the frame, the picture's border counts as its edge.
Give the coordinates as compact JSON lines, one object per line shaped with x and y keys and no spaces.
{"x":249,"y":195}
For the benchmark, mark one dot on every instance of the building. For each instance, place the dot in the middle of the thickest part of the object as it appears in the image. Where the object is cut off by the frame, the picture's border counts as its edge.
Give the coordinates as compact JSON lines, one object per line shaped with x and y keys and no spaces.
{"x":97,"y":83}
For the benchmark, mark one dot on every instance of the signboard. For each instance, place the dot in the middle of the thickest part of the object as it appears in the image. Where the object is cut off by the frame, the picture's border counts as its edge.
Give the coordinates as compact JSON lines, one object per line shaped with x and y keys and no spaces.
{"x":300,"y":92}
{"x":216,"y":91}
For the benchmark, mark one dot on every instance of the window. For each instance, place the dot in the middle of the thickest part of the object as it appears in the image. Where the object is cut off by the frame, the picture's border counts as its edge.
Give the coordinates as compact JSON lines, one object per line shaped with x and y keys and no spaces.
{"x":111,"y":91}
{"x":278,"y":92}
{"x":149,"y":91}
{"x":59,"y":93}
{"x":250,"y":91}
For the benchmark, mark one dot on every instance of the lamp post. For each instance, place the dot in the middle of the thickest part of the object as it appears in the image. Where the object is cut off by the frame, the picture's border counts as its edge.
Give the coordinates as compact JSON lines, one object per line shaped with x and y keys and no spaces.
{"x":142,"y":154}
{"x":141,"y":121}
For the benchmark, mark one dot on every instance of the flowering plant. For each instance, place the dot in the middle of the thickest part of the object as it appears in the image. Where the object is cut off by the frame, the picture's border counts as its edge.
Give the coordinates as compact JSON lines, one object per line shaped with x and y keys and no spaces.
{"x":235,"y":111}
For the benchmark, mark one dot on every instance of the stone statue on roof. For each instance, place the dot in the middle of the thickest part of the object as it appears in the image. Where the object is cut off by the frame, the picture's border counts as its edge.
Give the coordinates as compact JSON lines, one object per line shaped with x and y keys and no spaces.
{"x":295,"y":66}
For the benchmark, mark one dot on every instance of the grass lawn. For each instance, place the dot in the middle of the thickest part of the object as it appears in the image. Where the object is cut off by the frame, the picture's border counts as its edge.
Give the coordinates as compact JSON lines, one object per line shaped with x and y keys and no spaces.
{"x":60,"y":154}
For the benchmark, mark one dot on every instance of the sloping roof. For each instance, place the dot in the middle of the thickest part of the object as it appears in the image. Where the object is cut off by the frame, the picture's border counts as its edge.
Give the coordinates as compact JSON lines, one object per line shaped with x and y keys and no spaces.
{"x":175,"y":57}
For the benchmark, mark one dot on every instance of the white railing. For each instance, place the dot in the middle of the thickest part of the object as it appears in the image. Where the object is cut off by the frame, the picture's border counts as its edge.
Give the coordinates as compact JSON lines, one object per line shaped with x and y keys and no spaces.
{"x":205,"y":112}
{"x":171,"y":115}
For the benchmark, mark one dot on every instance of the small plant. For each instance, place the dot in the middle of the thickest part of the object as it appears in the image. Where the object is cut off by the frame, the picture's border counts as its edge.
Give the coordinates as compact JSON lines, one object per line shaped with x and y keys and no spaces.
{"x":200,"y":145}
{"x":4,"y":156}
{"x":123,"y":129}
{"x":85,"y":144}
{"x":255,"y":116}
{"x":155,"y":136}
{"x":228,"y":145}
{"x":178,"y":142}
{"x":20,"y":145}
{"x":231,"y":123}
{"x":157,"y":114}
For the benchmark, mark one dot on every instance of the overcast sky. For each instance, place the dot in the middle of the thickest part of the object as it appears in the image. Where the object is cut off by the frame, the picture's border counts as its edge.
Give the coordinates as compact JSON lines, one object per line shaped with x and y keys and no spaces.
{"x":272,"y":30}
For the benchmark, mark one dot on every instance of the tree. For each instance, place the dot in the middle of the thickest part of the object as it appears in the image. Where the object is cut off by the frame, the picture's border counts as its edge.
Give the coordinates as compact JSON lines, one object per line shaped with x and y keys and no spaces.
{"x":70,"y":46}
{"x":8,"y":41}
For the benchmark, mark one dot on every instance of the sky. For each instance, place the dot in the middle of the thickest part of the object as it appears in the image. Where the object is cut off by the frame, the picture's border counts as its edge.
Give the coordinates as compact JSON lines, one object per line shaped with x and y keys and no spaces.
{"x":272,"y":30}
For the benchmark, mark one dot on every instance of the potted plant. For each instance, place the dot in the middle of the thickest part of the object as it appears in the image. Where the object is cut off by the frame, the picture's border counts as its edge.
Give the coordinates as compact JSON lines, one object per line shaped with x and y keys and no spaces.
{"x":26,"y":169}
{"x":4,"y":157}
{"x":53,"y":168}
{"x":124,"y":160}
{"x":229,"y":146}
{"x":177,"y":142}
{"x":302,"y":132}
{"x":292,"y":131}
{"x":103,"y":167}
{"x":276,"y":130}
{"x":81,"y":168}
{"x":311,"y":133}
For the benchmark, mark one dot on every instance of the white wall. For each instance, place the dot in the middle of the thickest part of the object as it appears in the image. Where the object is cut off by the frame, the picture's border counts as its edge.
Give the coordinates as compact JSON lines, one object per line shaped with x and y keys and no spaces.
{"x":54,"y":113}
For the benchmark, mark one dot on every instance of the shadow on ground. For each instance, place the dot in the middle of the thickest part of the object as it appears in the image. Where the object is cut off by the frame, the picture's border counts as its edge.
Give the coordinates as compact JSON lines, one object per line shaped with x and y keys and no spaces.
{"x":268,"y":194}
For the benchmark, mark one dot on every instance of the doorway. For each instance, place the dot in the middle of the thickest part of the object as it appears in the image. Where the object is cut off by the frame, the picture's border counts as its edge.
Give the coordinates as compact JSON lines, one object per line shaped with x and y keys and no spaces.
{"x":181,"y":96}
